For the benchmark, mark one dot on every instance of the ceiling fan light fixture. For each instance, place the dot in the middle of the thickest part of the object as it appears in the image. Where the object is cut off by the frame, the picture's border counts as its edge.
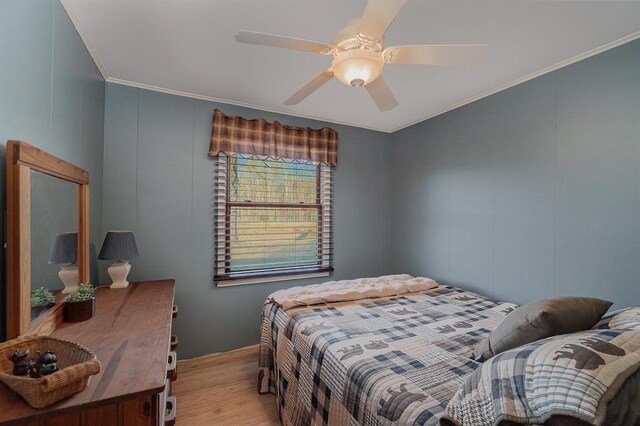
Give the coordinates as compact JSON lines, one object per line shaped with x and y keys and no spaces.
{"x":357,"y":67}
{"x":359,"y":53}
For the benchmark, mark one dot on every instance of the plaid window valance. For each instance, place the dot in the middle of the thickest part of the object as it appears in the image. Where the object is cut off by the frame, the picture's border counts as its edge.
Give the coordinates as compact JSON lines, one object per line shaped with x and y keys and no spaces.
{"x":237,"y":135}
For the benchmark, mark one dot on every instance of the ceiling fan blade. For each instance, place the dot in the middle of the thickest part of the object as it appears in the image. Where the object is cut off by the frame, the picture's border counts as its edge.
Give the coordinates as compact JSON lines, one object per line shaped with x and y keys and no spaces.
{"x":381,"y":94}
{"x":452,"y":54}
{"x":264,"y":39}
{"x":377,"y":17}
{"x":309,"y":88}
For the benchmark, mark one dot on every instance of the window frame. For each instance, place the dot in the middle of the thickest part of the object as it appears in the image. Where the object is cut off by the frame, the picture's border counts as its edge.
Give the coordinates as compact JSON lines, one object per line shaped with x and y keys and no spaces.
{"x":229,"y":277}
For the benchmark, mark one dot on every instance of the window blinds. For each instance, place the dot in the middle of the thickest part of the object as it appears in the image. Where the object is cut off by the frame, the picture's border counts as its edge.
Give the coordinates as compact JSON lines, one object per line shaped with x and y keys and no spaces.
{"x":272,"y":217}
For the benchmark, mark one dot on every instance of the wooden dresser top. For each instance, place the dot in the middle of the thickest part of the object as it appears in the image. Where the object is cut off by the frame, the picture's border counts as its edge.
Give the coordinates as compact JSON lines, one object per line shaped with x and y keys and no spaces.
{"x":130,"y":334}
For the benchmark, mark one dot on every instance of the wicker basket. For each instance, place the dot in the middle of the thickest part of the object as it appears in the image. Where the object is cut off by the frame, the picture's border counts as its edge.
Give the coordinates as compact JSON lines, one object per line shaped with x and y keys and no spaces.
{"x":77,"y":365}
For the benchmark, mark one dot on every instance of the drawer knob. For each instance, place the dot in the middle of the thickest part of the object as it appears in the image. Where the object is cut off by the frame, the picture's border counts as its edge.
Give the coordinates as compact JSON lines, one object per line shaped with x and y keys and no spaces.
{"x":146,"y":409}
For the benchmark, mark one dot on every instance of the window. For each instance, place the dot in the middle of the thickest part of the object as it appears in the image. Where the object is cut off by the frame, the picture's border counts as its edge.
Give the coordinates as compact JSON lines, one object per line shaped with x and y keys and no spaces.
{"x":272,"y":217}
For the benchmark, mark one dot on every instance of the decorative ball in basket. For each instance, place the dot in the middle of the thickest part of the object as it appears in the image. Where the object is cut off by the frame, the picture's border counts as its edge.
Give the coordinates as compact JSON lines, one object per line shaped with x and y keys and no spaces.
{"x":75,"y":364}
{"x":81,"y":304}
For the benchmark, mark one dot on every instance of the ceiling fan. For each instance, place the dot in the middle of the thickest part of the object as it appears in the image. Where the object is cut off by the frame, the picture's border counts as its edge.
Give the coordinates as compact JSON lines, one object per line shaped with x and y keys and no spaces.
{"x":359,"y":55}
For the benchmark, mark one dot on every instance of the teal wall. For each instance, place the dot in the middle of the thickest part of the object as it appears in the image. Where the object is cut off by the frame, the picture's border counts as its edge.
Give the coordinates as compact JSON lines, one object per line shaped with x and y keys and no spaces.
{"x":531,"y":192}
{"x":51,"y":95}
{"x":159,"y":183}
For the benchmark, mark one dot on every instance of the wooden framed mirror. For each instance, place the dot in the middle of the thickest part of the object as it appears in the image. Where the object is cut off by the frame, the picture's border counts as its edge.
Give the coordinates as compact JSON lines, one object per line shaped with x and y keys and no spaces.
{"x":47,"y":200}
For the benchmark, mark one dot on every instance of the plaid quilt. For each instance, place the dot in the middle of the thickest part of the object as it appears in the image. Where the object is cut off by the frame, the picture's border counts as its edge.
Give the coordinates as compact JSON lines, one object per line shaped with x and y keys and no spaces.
{"x":626,"y":319}
{"x":572,"y":375}
{"x":386,"y":361}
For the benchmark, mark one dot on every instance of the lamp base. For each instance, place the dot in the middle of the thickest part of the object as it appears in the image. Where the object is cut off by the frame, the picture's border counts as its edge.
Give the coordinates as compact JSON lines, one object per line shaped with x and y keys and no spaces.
{"x":69,"y":277}
{"x":118,"y":272}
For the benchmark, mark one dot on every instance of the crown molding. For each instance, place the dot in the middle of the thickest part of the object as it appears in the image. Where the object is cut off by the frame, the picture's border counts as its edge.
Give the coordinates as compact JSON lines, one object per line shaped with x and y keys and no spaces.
{"x":68,"y":7}
{"x":528,"y":77}
{"x":236,"y":103}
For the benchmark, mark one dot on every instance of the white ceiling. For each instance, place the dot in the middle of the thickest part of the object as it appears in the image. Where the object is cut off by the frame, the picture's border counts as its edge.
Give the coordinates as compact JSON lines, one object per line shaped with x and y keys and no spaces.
{"x":187,"y":47}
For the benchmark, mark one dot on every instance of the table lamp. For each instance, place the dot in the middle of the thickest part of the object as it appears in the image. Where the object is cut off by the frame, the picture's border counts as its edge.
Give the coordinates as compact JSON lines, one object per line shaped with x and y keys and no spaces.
{"x":119,"y":246}
{"x":65,"y":252}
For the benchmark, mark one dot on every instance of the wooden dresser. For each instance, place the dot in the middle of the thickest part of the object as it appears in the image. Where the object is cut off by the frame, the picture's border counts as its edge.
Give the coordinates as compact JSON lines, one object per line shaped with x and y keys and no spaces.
{"x":131,"y":336}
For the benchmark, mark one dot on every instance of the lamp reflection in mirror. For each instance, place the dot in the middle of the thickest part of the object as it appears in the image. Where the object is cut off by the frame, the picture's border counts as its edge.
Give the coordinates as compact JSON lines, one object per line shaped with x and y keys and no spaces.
{"x":65,"y":252}
{"x":119,"y":246}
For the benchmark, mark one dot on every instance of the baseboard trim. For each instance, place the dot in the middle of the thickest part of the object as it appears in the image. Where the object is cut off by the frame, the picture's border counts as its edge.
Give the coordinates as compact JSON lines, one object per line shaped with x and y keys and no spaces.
{"x":238,"y":351}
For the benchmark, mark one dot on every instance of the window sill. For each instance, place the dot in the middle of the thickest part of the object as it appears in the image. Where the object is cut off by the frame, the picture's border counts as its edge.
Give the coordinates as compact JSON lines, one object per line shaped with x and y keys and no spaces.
{"x":271,"y":279}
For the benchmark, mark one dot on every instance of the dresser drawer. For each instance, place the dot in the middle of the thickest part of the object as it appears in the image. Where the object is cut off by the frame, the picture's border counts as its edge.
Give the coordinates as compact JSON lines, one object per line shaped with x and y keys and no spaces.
{"x":141,"y":411}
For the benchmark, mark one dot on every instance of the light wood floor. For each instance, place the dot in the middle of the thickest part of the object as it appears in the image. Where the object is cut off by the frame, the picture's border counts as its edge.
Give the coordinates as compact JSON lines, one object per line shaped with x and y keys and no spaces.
{"x":221,"y":389}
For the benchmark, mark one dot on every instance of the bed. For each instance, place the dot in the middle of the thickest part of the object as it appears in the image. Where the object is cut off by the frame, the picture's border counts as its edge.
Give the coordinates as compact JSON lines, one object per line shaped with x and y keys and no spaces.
{"x":376,"y":361}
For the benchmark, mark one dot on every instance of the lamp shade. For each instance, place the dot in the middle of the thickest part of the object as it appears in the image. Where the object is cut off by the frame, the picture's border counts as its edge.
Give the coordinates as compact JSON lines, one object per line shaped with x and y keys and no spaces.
{"x":118,"y":245}
{"x":65,"y":248}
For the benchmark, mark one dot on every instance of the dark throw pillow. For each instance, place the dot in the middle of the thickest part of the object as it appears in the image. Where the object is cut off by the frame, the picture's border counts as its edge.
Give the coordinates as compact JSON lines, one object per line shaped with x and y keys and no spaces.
{"x":544,"y":318}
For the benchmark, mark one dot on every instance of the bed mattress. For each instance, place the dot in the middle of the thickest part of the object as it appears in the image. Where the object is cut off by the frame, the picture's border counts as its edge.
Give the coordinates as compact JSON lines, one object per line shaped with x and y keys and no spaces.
{"x":395,"y":360}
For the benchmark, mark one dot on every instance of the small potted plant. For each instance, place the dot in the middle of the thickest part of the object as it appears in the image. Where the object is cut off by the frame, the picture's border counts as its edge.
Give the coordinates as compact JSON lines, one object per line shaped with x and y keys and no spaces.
{"x":41,"y":300}
{"x":81,"y":304}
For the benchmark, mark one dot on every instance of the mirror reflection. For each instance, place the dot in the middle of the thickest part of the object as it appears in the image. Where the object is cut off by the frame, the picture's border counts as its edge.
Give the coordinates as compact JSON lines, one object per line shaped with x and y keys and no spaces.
{"x":54,"y":240}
